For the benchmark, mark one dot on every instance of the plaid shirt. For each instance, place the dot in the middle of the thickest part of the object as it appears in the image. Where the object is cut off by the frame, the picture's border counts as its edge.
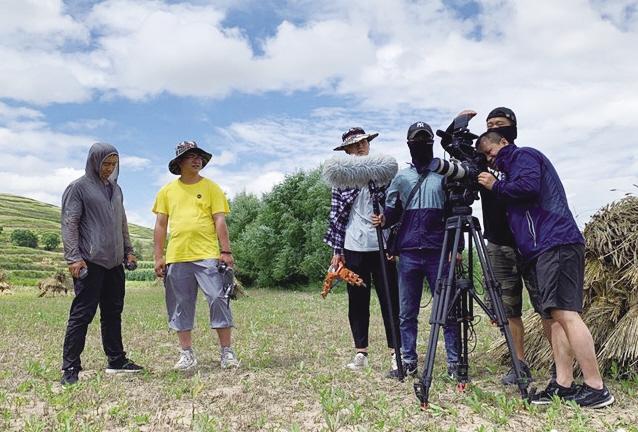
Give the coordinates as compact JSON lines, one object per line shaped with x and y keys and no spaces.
{"x":340,"y":206}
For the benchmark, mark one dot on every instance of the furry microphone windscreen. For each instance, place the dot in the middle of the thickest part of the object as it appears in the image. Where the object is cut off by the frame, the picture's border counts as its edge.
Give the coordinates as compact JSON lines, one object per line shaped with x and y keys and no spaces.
{"x":346,"y":171}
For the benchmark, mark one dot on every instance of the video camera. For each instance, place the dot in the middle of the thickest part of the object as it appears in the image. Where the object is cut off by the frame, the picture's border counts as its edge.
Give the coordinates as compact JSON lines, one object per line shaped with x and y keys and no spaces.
{"x":462,"y":171}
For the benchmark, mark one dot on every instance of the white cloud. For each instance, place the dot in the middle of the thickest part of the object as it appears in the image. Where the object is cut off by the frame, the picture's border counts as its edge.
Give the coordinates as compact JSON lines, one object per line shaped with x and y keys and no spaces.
{"x":40,"y":23}
{"x":224,"y":158}
{"x":47,"y":187}
{"x":39,"y":162}
{"x":88,"y":124}
{"x":134,"y":163}
{"x":390,"y":63}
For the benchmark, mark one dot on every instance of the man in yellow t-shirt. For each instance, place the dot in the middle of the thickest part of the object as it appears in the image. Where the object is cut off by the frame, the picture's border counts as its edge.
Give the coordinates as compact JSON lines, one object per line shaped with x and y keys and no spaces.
{"x":193,"y":209}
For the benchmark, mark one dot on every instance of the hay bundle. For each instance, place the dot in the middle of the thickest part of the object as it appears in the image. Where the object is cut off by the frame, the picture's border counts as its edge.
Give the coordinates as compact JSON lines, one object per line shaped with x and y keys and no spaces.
{"x":611,"y":291}
{"x":4,"y":283}
{"x":55,"y":284}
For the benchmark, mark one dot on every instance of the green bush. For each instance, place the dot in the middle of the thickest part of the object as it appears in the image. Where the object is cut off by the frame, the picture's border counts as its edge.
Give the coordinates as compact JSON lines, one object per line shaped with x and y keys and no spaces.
{"x":25,"y":238}
{"x":50,"y":241}
{"x":278,"y":241}
{"x":140,"y":275}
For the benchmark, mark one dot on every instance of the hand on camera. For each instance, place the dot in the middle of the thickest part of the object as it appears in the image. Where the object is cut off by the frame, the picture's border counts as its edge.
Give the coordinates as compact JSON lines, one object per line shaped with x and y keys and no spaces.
{"x":228,"y":259}
{"x":486,"y":180}
{"x":130,"y":258}
{"x":75,"y":268}
{"x":468,"y":112}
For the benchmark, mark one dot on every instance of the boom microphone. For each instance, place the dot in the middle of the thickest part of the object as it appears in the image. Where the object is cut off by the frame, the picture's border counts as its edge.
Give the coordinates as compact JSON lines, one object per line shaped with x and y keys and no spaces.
{"x":347,"y":171}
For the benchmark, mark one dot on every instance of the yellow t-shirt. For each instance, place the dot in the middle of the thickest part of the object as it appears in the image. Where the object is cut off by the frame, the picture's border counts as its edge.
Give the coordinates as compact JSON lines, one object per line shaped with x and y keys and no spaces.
{"x":190,"y":210}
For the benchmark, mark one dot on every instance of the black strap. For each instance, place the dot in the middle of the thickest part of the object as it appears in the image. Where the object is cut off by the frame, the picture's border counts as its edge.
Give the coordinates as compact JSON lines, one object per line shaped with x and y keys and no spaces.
{"x":416,"y":187}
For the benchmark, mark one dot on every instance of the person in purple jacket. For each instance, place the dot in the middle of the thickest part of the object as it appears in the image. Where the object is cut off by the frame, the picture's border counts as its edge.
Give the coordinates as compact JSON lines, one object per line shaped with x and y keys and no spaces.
{"x":548,"y":240}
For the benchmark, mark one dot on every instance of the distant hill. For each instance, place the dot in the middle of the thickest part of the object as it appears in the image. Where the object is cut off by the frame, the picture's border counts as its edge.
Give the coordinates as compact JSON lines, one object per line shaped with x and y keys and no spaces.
{"x":26,"y":266}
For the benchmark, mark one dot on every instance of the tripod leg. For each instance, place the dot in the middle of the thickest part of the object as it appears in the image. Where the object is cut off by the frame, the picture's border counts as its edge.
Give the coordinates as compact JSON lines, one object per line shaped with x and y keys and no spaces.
{"x":440,"y":299}
{"x":491,"y":287}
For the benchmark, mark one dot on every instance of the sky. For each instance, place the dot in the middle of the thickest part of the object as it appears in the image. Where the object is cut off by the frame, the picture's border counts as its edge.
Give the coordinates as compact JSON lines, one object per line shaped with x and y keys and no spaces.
{"x":268,"y":87}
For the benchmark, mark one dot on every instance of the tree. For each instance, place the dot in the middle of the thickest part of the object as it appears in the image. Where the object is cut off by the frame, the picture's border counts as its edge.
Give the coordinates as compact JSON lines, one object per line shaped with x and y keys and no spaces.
{"x":278,"y":242}
{"x":23,"y":237}
{"x":50,"y":241}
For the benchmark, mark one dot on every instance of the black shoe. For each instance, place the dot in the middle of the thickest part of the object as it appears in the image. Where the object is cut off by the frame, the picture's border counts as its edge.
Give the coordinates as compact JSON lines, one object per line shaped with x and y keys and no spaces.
{"x":126,"y":367}
{"x":410,"y":369}
{"x":591,"y":398}
{"x":554,"y":389}
{"x":510,"y":377}
{"x":70,"y":376}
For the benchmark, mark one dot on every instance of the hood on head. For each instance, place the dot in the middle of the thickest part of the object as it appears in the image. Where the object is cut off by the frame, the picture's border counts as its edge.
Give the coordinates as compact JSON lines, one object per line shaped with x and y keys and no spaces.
{"x":97,"y":153}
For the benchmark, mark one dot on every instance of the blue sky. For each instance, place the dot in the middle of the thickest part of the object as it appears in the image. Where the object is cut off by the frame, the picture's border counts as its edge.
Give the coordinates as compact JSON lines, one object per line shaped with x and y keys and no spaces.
{"x":269,"y":86}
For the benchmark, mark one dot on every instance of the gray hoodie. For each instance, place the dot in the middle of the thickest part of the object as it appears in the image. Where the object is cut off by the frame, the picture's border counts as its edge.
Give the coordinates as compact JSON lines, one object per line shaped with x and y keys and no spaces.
{"x":94,"y":228}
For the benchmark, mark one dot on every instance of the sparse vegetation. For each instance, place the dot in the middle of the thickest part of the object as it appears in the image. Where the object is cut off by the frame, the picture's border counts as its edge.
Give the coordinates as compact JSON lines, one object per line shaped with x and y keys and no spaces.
{"x":293,"y":346}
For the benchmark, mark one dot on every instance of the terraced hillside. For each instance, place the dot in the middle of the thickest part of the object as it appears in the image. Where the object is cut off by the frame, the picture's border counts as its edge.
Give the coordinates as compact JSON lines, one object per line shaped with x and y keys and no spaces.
{"x":26,"y":266}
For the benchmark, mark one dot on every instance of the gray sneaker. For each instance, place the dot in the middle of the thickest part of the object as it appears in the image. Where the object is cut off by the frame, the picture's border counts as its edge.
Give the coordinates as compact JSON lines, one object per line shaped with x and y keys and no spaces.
{"x":186,"y":360}
{"x":228,"y":358}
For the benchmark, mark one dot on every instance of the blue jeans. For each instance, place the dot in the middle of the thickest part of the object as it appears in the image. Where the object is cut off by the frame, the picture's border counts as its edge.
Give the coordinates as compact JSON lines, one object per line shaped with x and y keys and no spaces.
{"x":414,"y":266}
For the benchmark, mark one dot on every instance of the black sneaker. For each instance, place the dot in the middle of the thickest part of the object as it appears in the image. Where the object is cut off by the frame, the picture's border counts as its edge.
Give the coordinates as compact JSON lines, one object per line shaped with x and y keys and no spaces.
{"x":554,"y":389}
{"x":127,"y":367}
{"x":410,"y":369}
{"x":510,"y":377}
{"x":591,"y":398}
{"x":70,"y":376}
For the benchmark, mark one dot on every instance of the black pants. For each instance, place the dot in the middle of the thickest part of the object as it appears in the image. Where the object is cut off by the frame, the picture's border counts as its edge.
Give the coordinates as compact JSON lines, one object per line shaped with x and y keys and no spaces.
{"x":103,"y":287}
{"x":368,"y":266}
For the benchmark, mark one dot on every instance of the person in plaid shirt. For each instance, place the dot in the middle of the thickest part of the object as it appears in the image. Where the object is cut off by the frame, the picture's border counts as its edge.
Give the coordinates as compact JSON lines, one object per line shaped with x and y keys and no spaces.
{"x":353,"y":238}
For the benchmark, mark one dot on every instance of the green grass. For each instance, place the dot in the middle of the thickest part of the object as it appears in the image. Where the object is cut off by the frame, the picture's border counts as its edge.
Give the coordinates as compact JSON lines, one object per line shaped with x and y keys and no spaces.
{"x":27,"y":266}
{"x":293,"y":346}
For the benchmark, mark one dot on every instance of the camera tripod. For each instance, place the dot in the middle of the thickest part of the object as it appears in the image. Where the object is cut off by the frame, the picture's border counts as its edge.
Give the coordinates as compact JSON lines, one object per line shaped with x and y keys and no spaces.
{"x":454,"y":297}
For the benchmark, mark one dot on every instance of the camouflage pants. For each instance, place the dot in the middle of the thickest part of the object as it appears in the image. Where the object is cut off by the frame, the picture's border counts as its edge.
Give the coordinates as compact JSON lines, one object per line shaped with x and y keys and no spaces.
{"x":508,"y":271}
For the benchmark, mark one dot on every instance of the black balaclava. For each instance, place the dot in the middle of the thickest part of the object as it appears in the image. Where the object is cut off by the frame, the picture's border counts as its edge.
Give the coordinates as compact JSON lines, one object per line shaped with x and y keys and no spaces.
{"x":422,"y":153}
{"x":508,"y":132}
{"x":420,"y":142}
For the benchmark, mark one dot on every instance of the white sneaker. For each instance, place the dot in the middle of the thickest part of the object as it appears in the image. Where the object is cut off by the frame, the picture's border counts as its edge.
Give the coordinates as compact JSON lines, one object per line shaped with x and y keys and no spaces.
{"x":360,"y":361}
{"x":186,"y":361}
{"x":394,"y":365}
{"x":228,"y":358}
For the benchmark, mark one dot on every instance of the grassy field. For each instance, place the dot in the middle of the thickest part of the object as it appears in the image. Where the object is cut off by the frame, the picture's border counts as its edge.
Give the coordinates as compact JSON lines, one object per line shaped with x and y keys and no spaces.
{"x":293,"y":347}
{"x":27,"y":266}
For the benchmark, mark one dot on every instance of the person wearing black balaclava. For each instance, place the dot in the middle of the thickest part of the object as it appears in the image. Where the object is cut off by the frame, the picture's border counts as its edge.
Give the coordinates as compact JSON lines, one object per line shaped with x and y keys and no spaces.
{"x":419,"y":242}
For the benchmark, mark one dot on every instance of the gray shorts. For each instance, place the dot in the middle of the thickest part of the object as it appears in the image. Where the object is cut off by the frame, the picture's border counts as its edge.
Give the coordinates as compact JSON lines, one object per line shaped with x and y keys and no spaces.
{"x":181,"y":282}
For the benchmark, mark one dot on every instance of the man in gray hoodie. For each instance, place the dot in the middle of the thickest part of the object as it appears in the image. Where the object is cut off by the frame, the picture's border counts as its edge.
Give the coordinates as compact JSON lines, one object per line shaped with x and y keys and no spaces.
{"x":96,"y":244}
